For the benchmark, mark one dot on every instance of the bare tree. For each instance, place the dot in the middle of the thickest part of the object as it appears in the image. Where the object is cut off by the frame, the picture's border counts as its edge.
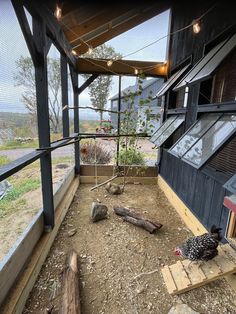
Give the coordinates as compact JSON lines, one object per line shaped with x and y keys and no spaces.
{"x":99,"y":89}
{"x":25,"y":77}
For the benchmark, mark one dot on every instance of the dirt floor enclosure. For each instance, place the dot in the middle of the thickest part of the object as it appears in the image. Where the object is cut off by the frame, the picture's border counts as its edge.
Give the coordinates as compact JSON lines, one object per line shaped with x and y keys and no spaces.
{"x":119,"y":263}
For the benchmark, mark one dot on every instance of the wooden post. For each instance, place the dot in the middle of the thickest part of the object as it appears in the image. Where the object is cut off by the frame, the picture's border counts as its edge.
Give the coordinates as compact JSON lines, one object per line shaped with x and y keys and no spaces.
{"x":74,"y":80}
{"x":64,"y":96}
{"x":41,"y":82}
{"x":118,"y":124}
{"x":70,"y":299}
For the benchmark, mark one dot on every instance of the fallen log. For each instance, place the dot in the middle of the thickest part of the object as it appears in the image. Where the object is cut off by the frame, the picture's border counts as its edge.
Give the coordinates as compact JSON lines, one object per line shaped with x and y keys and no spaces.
{"x":70,"y":299}
{"x":137,"y":219}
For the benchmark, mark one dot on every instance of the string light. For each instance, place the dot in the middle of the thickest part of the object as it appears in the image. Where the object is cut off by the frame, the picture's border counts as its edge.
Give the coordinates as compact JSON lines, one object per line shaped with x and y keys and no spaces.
{"x":74,"y":52}
{"x":109,"y":63}
{"x":90,"y":50}
{"x":58,"y":12}
{"x":196,"y":26}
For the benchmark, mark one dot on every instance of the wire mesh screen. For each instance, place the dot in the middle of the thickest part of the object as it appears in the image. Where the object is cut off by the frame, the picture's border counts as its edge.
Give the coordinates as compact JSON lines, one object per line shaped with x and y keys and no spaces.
{"x":17,"y":83}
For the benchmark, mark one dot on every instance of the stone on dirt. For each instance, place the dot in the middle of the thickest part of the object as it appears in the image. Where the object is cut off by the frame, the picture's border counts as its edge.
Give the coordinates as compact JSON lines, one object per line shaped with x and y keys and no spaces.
{"x":113,"y":188}
{"x":72,"y":232}
{"x":181,"y":308}
{"x":98,"y":212}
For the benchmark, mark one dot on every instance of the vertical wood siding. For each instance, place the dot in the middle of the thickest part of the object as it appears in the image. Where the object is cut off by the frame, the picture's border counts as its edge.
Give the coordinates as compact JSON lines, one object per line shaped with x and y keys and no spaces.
{"x":202,"y":194}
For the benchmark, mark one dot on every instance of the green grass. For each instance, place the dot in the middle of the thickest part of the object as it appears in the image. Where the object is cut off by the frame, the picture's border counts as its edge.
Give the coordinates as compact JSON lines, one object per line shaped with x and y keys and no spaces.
{"x":16,"y":144}
{"x":4,"y":160}
{"x":13,"y":201}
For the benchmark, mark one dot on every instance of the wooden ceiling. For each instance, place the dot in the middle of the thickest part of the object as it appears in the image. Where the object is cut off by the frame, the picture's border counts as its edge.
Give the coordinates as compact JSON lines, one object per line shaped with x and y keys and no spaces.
{"x":99,"y":22}
{"x":89,"y":23}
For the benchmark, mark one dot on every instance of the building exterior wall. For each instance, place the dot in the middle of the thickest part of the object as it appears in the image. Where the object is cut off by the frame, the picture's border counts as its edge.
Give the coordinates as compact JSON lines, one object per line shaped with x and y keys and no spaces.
{"x":202,"y":190}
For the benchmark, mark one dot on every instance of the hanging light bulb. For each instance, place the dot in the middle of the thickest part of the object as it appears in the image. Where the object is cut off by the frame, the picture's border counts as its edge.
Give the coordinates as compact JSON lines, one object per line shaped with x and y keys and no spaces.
{"x":57,"y":12}
{"x":90,"y":50}
{"x":109,"y":63}
{"x":136,"y":71}
{"x":74,"y":52}
{"x":196,"y":26}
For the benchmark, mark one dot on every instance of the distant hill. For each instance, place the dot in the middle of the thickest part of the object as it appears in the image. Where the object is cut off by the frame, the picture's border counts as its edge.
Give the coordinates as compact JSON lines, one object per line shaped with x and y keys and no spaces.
{"x":13,"y":119}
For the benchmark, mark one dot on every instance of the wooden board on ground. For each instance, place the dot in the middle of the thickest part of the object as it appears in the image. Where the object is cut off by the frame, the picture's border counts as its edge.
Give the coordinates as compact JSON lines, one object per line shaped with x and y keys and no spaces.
{"x":180,"y":277}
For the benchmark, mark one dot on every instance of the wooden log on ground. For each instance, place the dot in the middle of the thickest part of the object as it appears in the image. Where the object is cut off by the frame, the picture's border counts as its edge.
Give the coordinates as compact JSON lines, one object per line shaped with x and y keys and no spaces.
{"x":70,"y":299}
{"x":137,"y":219}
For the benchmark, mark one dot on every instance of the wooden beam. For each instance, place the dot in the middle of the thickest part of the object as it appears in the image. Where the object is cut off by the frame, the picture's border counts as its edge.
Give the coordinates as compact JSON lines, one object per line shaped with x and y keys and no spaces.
{"x":41,"y":83}
{"x":123,"y":67}
{"x":22,"y":19}
{"x":64,"y":97}
{"x":87,"y":83}
{"x":53,"y":28}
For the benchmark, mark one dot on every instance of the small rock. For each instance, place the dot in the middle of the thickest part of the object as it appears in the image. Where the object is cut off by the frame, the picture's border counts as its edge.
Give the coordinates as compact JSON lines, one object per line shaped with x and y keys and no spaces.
{"x":62,"y":166}
{"x":181,"y":308}
{"x":113,"y":188}
{"x":72,"y":232}
{"x":98,"y":212}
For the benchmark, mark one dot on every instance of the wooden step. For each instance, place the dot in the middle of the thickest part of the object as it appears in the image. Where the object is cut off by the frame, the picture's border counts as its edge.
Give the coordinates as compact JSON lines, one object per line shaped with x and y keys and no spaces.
{"x":180,"y":278}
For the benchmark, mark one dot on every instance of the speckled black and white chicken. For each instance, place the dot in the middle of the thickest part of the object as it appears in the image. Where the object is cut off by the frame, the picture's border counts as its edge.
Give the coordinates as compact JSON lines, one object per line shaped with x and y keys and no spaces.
{"x":201,"y":248}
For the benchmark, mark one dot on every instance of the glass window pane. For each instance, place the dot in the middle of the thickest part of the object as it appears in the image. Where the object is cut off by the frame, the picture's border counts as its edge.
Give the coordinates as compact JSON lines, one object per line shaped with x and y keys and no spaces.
{"x":164,"y":136}
{"x":192,"y":136}
{"x":161,"y":129}
{"x":212,"y":140}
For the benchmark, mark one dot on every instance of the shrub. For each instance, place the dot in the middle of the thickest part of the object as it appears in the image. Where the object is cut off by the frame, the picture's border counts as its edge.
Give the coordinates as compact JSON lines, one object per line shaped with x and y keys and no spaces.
{"x":89,"y":149}
{"x":131,"y":157}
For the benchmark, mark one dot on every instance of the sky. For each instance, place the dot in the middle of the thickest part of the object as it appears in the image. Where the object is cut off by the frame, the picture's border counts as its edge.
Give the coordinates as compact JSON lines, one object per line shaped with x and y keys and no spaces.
{"x":12,"y":46}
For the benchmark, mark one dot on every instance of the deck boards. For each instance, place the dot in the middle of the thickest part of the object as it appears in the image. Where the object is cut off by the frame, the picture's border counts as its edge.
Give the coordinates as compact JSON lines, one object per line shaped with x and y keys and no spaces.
{"x":180,"y":278}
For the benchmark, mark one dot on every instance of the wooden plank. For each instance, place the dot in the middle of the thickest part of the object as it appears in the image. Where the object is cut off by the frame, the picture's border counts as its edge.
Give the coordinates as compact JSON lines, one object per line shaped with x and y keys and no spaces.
{"x":18,"y":296}
{"x":224,"y":263}
{"x":229,"y":251}
{"x":107,"y":170}
{"x":12,"y":263}
{"x":169,"y":281}
{"x":86,"y":83}
{"x":119,"y":180}
{"x":211,"y":269}
{"x":180,"y":276}
{"x":231,"y":232}
{"x":194,"y":272}
{"x":188,"y":217}
{"x":125,"y":67}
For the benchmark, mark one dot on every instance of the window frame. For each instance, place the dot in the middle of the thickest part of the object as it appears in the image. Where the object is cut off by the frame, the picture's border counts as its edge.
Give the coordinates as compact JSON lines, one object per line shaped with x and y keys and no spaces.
{"x":203,"y":162}
{"x":174,"y":120}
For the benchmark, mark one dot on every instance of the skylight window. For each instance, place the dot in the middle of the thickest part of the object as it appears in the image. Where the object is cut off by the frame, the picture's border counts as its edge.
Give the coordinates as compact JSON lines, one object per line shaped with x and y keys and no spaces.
{"x":166,"y":130}
{"x":204,"y":138}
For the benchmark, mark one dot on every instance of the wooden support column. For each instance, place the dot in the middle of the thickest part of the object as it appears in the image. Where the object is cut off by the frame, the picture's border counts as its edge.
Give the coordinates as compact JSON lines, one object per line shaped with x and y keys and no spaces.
{"x":118,"y":124}
{"x":76,"y":119}
{"x":64,"y":94}
{"x":41,"y":82}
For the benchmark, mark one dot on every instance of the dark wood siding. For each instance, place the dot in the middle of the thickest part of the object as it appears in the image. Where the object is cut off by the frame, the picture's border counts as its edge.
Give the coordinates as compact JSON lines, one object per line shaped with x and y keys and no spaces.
{"x":201,"y":193}
{"x":180,"y":98}
{"x":225,"y":160}
{"x":225,"y":80}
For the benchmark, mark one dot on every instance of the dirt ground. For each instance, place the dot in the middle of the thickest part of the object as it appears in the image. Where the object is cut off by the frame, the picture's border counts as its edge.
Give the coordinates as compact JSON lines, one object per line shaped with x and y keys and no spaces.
{"x":112,"y":252}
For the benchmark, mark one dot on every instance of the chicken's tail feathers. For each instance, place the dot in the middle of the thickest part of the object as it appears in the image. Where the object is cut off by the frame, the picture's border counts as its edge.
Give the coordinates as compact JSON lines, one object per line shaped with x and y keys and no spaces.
{"x":215,"y":231}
